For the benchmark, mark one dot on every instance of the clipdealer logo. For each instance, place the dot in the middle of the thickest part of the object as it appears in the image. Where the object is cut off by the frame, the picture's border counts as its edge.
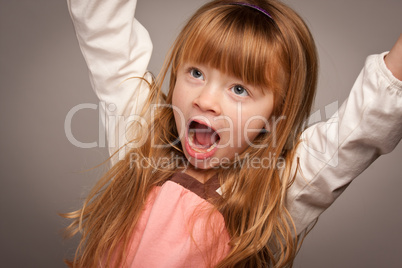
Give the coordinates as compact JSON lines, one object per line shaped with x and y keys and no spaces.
{"x":320,"y":140}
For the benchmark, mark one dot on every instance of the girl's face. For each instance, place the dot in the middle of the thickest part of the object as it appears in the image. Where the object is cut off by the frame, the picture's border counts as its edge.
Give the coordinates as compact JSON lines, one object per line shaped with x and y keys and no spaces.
{"x":217,"y":116}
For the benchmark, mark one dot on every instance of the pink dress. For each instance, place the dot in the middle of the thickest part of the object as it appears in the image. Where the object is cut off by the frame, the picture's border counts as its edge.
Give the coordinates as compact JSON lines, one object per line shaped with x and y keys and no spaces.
{"x":179,"y":227}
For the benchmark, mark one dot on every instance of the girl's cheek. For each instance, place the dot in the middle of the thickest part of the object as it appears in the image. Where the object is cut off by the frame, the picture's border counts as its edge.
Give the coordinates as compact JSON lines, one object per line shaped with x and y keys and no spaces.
{"x":251,"y":129}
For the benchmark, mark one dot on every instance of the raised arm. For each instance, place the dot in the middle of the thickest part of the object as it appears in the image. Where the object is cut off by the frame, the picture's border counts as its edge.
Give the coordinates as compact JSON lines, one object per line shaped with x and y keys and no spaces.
{"x":115,"y":47}
{"x":394,"y":59}
{"x":333,"y":153}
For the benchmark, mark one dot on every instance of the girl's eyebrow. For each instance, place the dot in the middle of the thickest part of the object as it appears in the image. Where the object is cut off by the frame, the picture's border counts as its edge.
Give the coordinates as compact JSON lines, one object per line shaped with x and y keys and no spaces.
{"x":195,"y":64}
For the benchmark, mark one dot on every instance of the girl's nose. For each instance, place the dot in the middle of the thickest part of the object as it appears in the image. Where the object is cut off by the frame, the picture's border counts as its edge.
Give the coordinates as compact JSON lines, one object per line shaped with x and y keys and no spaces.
{"x":208,"y":101}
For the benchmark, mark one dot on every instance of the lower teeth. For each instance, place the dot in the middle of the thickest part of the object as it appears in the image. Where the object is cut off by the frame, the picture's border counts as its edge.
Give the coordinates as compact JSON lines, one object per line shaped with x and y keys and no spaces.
{"x":197,"y":149}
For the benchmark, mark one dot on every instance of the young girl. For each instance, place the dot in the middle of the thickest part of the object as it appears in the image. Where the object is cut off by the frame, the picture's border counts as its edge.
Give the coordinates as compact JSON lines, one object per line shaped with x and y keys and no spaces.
{"x":219,"y":171}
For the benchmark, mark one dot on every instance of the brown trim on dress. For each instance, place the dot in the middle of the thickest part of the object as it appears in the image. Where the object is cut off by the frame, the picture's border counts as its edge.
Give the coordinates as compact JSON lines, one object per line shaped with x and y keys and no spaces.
{"x":205,"y":190}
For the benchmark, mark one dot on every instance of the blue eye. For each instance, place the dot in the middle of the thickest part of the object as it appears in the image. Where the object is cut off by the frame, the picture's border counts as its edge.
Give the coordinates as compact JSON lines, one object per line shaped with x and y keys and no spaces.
{"x":196,"y":73}
{"x":239,"y":90}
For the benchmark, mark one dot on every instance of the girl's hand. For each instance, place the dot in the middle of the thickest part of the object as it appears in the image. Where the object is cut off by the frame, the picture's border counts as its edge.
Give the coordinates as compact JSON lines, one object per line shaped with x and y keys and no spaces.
{"x":394,"y":59}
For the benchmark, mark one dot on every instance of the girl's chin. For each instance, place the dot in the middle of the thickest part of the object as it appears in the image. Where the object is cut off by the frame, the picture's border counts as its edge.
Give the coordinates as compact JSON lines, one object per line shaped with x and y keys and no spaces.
{"x":207,"y":163}
{"x":201,"y":163}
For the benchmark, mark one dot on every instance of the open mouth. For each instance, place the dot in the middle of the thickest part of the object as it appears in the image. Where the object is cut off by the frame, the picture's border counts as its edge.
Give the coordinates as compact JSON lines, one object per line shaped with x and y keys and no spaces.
{"x":202,"y":140}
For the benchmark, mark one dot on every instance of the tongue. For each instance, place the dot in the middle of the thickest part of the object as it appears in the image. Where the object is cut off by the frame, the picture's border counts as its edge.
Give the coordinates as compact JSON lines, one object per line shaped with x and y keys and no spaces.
{"x":204,"y":135}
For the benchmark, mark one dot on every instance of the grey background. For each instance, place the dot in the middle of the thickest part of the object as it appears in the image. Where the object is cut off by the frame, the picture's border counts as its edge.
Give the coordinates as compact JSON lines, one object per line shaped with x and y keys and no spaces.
{"x":43,"y":75}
